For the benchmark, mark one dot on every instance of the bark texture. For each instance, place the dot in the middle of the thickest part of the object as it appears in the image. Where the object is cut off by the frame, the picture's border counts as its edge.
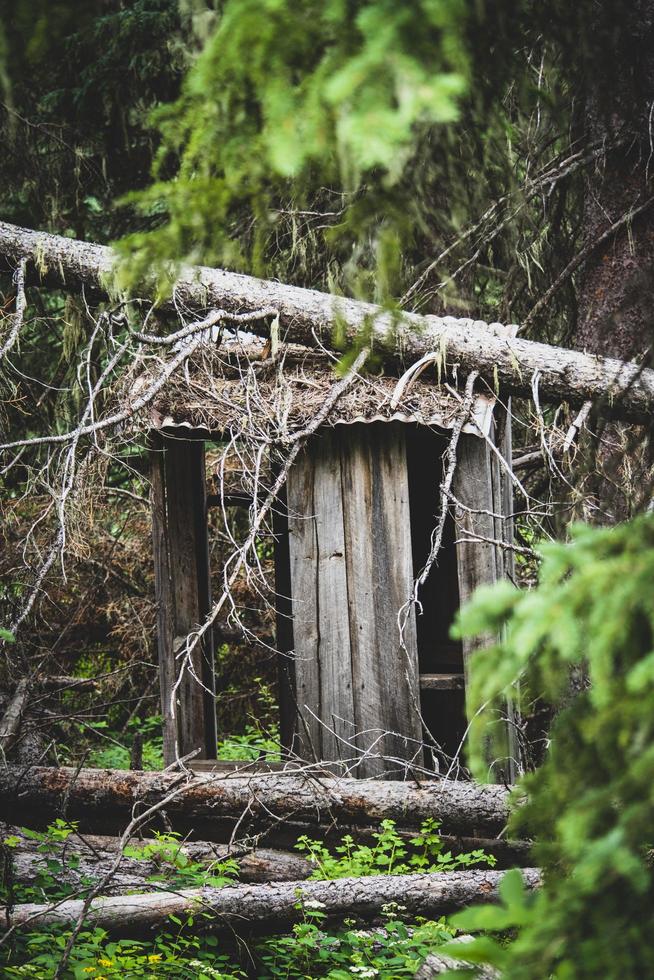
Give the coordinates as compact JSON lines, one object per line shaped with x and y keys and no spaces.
{"x":10,"y":722}
{"x":91,"y":856}
{"x":274,"y":905}
{"x":258,"y":800}
{"x":308,"y":317}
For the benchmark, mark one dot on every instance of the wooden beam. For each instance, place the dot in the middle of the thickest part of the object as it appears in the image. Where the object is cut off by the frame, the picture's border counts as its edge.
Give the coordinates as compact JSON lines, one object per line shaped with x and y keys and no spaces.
{"x":306,"y":316}
{"x":183,"y":594}
{"x":442,"y":682}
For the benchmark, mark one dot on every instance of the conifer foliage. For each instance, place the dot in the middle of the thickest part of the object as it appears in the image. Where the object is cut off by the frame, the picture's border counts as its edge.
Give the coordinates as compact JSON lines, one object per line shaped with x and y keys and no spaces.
{"x":590,"y":805}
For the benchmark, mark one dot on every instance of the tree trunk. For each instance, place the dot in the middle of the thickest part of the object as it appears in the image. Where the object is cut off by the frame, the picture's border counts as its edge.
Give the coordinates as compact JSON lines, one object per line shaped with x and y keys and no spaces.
{"x":273,"y":905}
{"x":91,"y":856}
{"x":310,"y":317}
{"x":257,"y":801}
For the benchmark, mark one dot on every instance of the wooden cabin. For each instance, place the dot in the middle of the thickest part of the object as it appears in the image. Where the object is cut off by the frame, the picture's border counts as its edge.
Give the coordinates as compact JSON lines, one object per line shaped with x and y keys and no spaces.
{"x":368,"y":680}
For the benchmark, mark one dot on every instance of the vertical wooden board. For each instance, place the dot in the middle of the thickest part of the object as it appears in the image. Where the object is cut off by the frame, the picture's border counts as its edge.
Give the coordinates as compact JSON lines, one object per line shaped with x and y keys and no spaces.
{"x":473,"y":487}
{"x":306,"y":733}
{"x":380,"y":578}
{"x":506,"y":507}
{"x":334,"y":652}
{"x":393,"y":574}
{"x":478,"y":563}
{"x":163,"y":595}
{"x":188,"y":559}
{"x":357,"y":490}
{"x":284,"y":624}
{"x":503,"y":506}
{"x":207,"y":653}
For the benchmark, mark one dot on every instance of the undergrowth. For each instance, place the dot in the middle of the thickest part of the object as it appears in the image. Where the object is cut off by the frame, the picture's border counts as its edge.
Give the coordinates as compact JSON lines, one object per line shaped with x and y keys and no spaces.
{"x":392,"y":948}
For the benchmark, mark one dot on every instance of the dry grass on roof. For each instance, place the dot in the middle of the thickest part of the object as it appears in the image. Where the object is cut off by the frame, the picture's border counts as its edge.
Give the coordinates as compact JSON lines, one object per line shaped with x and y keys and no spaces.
{"x":239,"y":389}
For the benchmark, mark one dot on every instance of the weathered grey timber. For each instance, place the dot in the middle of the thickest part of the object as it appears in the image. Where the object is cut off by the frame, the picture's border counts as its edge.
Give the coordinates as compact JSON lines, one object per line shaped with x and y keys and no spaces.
{"x":623,"y":390}
{"x":90,"y":857}
{"x":483,"y":488}
{"x":351,"y":572}
{"x":274,"y":905}
{"x":183,"y":596}
{"x":91,"y":794}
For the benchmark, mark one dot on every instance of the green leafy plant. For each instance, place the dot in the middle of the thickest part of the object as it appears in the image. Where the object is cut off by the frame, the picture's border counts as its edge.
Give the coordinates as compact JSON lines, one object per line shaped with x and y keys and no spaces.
{"x":590,"y":805}
{"x":167,"y":850}
{"x":253,"y":743}
{"x":393,"y":950}
{"x":391,"y":854}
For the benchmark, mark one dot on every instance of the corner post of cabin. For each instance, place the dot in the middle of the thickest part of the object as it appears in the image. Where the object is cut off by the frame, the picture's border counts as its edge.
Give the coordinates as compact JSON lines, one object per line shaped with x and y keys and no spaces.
{"x":183,"y":594}
{"x":484,"y":492}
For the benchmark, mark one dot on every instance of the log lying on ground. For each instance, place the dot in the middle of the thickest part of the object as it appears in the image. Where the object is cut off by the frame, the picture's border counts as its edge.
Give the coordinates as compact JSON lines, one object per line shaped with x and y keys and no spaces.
{"x":309,"y":317}
{"x":438,"y":963}
{"x":260,"y":799}
{"x":90,"y":857}
{"x":254,"y":906}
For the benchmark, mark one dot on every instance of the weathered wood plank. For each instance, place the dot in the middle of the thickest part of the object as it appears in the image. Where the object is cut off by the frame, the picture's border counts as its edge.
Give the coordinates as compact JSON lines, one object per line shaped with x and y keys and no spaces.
{"x":476,"y":559}
{"x":284,"y":624}
{"x":477,"y":483}
{"x":305,"y":737}
{"x":334,"y":650}
{"x":183,"y":595}
{"x":163,"y":590}
{"x":442,"y":682}
{"x":379,"y":578}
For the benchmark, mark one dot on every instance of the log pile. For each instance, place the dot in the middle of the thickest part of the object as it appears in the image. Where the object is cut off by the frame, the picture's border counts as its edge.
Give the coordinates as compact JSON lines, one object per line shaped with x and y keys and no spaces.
{"x":137,"y":895}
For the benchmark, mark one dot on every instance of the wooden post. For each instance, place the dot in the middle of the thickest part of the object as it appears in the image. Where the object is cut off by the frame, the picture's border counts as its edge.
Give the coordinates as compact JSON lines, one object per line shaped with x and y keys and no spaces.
{"x":478,"y":486}
{"x":183,"y":595}
{"x":356,"y":684}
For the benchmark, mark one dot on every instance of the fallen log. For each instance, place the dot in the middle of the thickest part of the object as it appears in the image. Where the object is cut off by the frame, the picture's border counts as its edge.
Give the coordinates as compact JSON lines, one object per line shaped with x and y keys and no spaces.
{"x":89,"y":857}
{"x":259,"y":799}
{"x":309,"y":317}
{"x":437,"y":964}
{"x":241,"y":907}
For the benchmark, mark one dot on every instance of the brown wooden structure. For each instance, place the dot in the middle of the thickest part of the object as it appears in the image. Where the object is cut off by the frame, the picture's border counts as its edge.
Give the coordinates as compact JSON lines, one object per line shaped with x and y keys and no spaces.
{"x":364,"y":681}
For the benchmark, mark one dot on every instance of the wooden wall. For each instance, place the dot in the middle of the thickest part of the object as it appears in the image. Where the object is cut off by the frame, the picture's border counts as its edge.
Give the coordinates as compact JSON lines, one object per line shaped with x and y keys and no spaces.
{"x":355,"y":684}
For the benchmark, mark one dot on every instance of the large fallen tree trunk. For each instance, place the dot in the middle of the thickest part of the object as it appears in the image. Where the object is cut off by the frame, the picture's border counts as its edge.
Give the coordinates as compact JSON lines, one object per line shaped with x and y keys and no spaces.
{"x":260,"y":799}
{"x":273,"y":905}
{"x":89,"y":857}
{"x":309,"y":317}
